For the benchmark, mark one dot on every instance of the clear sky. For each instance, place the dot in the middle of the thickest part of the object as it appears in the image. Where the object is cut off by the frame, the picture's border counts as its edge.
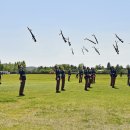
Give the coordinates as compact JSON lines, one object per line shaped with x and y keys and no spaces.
{"x":76,"y":18}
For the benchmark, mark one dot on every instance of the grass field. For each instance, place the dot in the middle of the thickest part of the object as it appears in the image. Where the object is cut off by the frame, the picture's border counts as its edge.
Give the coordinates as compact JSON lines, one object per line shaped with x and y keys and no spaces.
{"x":101,"y":108}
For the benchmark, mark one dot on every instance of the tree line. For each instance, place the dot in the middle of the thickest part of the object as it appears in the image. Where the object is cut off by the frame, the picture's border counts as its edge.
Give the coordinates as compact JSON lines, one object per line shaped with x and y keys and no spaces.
{"x":13,"y":68}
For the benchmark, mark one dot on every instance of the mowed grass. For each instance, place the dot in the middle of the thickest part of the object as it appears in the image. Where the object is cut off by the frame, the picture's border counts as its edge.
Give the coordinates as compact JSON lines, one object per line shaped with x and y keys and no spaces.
{"x":101,"y":108}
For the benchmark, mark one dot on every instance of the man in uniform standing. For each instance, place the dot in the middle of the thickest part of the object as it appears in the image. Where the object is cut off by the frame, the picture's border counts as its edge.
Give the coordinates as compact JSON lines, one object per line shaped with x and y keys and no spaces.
{"x":87,"y":78}
{"x":69,"y":74}
{"x":113,"y":75}
{"x":80,"y":75}
{"x":0,"y":77}
{"x":57,"y":71}
{"x":22,"y":79}
{"x":62,"y":79}
{"x":128,"y":75}
{"x":93,"y":74}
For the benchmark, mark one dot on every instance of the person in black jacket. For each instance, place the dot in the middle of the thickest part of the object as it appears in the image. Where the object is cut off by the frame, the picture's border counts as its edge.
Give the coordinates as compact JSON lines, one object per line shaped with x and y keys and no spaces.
{"x":22,"y":79}
{"x":62,"y":79}
{"x":113,"y":75}
{"x":69,"y":74}
{"x":57,"y":71}
{"x":128,"y":75}
{"x":0,"y":77}
{"x":80,"y":75}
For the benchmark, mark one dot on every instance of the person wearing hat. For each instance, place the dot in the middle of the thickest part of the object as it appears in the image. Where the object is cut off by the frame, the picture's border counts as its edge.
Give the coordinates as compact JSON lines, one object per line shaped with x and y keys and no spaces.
{"x":62,"y":79}
{"x":69,"y":74}
{"x":113,"y":75}
{"x":22,"y":79}
{"x":0,"y":77}
{"x":93,"y":74}
{"x":57,"y":72}
{"x":128,"y":75}
{"x":80,"y":75}
{"x":87,"y":78}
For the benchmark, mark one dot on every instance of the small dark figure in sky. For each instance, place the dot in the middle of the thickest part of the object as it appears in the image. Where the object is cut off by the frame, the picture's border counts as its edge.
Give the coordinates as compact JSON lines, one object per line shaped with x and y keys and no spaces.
{"x":72,"y":51}
{"x":116,"y":48}
{"x":90,"y":40}
{"x":119,"y":38}
{"x":22,"y":79}
{"x":85,"y":48}
{"x":95,"y":38}
{"x":33,"y":37}
{"x":82,"y":51}
{"x":96,"y":50}
{"x":65,"y":40}
{"x":69,"y":42}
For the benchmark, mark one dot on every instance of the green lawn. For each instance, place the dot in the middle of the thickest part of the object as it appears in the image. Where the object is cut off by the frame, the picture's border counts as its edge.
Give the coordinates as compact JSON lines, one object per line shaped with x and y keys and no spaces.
{"x":101,"y":108}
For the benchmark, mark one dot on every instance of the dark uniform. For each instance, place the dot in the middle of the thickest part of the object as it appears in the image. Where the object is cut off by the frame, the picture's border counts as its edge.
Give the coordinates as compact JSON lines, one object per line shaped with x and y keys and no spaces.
{"x":128,"y":75}
{"x":93,"y":74}
{"x":57,"y":80}
{"x":63,"y":80}
{"x":22,"y":81}
{"x":80,"y":75}
{"x":69,"y":74}
{"x":77,"y":74}
{"x":113,"y":76}
{"x":87,"y":78}
{"x":0,"y":77}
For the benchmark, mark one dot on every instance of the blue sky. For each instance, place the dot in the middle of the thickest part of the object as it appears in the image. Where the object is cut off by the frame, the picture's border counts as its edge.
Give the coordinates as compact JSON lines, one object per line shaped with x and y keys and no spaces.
{"x":77,"y":19}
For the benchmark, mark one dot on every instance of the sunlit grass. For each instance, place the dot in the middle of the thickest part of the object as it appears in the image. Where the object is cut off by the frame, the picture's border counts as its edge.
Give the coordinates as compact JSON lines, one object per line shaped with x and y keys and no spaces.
{"x":102,"y":107}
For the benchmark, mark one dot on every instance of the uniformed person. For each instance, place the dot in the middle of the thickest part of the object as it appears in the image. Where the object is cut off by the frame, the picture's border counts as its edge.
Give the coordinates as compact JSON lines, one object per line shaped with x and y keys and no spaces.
{"x":128,"y":75}
{"x":87,"y":78}
{"x":22,"y":79}
{"x":113,"y":75}
{"x":57,"y":71}
{"x":80,"y":75}
{"x":0,"y":77}
{"x":69,"y":74}
{"x":62,"y":79}
{"x":93,"y":75}
{"x":77,"y":74}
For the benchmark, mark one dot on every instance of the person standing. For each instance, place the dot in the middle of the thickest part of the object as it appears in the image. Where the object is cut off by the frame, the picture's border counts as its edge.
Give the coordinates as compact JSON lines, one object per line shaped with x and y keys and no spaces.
{"x":93,"y":74}
{"x":87,"y":78}
{"x":62,"y":79}
{"x":69,"y":74}
{"x":80,"y":75}
{"x":22,"y":79}
{"x":128,"y":75}
{"x":113,"y":75}
{"x":57,"y":71}
{"x":0,"y":77}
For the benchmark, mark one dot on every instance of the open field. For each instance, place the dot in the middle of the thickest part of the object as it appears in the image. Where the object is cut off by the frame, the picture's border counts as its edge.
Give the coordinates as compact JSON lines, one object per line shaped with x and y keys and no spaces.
{"x":101,"y":108}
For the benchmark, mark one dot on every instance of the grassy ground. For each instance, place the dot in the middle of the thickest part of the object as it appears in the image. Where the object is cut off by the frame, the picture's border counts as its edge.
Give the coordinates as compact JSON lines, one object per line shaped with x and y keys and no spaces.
{"x":101,"y":108}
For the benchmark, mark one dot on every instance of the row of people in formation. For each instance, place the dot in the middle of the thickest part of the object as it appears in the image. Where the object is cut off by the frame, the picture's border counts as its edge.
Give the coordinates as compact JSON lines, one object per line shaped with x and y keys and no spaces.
{"x":89,"y":76}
